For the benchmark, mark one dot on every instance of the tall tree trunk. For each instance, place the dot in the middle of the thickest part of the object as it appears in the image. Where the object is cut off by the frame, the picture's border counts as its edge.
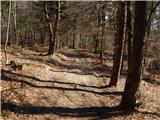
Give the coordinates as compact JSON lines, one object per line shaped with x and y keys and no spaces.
{"x":7,"y":35}
{"x":127,"y":33}
{"x":66,"y":42}
{"x":134,"y":70}
{"x":30,"y":40}
{"x":42,"y":36}
{"x":74,"y":34}
{"x":123,"y":55}
{"x":55,"y":25}
{"x":96,"y":45}
{"x":15,"y":22}
{"x":50,"y":27}
{"x":74,"y":40}
{"x":149,"y":21}
{"x":118,"y":51}
{"x":25,"y":38}
{"x":21,"y":35}
{"x":149,"y":24}
{"x":129,"y":30}
{"x":33,"y":36}
{"x":56,"y":37}
{"x":102,"y":34}
{"x":151,"y":7}
{"x":97,"y":36}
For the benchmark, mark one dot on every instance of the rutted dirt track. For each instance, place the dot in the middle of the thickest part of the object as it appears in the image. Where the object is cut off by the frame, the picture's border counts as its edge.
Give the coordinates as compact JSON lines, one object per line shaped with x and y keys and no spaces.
{"x":68,"y":85}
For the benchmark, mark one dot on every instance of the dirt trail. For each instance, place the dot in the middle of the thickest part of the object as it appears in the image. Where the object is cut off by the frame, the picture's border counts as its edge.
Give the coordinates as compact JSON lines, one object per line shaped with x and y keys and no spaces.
{"x":63,"y":86}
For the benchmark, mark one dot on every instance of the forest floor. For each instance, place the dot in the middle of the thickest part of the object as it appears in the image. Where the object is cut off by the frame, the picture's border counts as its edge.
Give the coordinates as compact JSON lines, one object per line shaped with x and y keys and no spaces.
{"x":70,"y":85}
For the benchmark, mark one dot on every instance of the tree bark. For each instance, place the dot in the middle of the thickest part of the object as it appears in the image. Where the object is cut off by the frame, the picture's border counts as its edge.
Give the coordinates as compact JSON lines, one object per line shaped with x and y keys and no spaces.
{"x":97,"y":35}
{"x":7,"y":35}
{"x":15,"y":22}
{"x":56,"y":38}
{"x":103,"y":29}
{"x":134,"y":70}
{"x":74,"y":35}
{"x":127,"y":34}
{"x":149,"y":24}
{"x":129,"y":30}
{"x":51,"y":35}
{"x":118,"y":51}
{"x":33,"y":36}
{"x":123,"y":56}
{"x":74,"y":40}
{"x":96,"y":46}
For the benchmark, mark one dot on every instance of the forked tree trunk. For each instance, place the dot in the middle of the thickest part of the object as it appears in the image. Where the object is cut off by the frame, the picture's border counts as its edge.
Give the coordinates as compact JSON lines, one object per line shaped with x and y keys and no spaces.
{"x":7,"y":35}
{"x":149,"y":21}
{"x":50,"y":27}
{"x":52,"y":31}
{"x":120,"y":15}
{"x":134,"y":70}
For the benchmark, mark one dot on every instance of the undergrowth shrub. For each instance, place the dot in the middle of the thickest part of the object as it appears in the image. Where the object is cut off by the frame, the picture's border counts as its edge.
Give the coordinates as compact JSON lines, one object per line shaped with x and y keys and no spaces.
{"x":154,"y":66}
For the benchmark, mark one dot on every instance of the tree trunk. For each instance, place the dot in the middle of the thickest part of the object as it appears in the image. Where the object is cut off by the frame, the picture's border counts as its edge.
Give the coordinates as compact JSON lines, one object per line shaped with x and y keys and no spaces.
{"x":103,"y":29}
{"x":21,"y":35}
{"x":123,"y":56}
{"x":134,"y":70}
{"x":127,"y":34}
{"x":42,"y":37}
{"x":56,"y":37}
{"x":55,"y":25}
{"x":32,"y":38}
{"x":96,"y":45}
{"x":151,"y":7}
{"x":148,"y":27}
{"x":74,"y":40}
{"x":74,"y":34}
{"x":25,"y":36}
{"x":118,"y":51}
{"x":51,"y":34}
{"x":129,"y":29}
{"x":149,"y":24}
{"x":149,"y":20}
{"x":97,"y":35}
{"x":7,"y":35}
{"x":15,"y":22}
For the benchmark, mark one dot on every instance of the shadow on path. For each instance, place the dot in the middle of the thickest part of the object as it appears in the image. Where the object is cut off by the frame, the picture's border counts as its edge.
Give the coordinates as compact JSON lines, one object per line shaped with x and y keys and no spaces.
{"x":95,"y":112}
{"x":63,"y":111}
{"x":78,"y":54}
{"x":152,"y":81}
{"x":6,"y":76}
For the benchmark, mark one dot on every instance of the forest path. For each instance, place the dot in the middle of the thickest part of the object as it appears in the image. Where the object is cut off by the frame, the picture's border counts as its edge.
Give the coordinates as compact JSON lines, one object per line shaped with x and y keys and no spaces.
{"x":69,"y":79}
{"x":67,"y":85}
